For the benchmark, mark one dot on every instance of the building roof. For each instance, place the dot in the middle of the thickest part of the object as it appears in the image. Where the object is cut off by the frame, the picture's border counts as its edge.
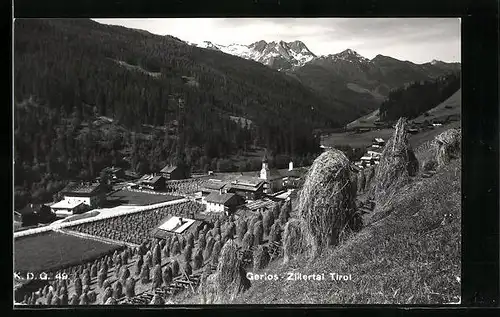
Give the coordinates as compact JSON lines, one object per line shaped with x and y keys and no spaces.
{"x":293,"y":173}
{"x":112,"y":169}
{"x":274,"y":174}
{"x":81,"y":188}
{"x":66,"y":204}
{"x":30,"y":209}
{"x":169,"y":169}
{"x":218,"y":198}
{"x":214,"y":185}
{"x":258,"y":204}
{"x":250,"y":181}
{"x":379,"y":140}
{"x":150,"y":179}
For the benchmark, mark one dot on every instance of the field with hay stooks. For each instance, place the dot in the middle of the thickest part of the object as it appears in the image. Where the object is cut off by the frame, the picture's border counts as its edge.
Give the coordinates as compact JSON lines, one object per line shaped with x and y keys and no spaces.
{"x":157,"y":271}
{"x":135,"y":228}
{"x":408,"y":250}
{"x":402,"y":249}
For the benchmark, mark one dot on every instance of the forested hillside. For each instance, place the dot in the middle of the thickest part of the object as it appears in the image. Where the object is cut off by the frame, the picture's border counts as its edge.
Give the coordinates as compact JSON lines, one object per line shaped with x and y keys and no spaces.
{"x":414,"y":99}
{"x":67,"y":73}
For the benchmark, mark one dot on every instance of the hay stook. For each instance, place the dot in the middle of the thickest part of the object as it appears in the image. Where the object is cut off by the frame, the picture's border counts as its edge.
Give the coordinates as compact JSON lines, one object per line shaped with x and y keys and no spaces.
{"x":327,"y":200}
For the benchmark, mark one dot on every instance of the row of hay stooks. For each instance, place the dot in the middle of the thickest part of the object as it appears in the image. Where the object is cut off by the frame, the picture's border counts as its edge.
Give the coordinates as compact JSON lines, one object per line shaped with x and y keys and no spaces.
{"x":326,"y":206}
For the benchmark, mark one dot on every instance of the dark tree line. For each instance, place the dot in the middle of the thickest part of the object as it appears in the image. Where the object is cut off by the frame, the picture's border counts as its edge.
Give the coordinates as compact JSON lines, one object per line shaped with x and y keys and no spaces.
{"x":418,"y":97}
{"x":67,"y":73}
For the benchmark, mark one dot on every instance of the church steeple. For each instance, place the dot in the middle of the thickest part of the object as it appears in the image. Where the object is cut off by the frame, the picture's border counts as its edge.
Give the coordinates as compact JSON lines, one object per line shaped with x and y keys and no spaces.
{"x":264,"y":172}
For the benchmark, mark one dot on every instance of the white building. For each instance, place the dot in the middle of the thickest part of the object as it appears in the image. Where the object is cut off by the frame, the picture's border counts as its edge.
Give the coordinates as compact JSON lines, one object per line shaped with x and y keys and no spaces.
{"x":91,"y":194}
{"x":68,"y":207}
{"x":272,"y":178}
{"x":222,"y":202}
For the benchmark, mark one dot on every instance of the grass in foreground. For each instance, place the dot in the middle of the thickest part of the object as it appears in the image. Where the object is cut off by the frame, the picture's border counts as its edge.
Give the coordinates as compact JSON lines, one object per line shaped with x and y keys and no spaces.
{"x":52,"y":250}
{"x":404,"y":256}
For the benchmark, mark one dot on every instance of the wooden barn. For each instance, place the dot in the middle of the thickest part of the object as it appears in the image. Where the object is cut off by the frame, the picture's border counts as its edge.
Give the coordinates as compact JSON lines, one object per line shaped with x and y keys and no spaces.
{"x":152,"y":182}
{"x":250,"y":188}
{"x":174,"y":172}
{"x":223,"y":203}
{"x":91,"y":194}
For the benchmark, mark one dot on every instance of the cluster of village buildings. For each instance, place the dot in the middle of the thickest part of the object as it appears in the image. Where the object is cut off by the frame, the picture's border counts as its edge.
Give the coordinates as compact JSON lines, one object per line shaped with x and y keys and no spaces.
{"x":254,"y":192}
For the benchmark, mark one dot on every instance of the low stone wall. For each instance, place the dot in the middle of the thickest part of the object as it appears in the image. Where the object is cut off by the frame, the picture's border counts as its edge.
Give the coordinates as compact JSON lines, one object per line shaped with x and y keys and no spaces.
{"x":96,"y":218}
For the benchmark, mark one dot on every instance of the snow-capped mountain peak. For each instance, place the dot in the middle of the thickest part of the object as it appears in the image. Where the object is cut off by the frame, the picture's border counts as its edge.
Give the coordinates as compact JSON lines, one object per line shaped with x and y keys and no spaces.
{"x":281,"y":55}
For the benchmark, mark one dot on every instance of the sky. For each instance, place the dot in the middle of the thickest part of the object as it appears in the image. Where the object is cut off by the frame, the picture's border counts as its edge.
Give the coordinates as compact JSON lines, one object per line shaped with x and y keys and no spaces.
{"x":418,"y":40}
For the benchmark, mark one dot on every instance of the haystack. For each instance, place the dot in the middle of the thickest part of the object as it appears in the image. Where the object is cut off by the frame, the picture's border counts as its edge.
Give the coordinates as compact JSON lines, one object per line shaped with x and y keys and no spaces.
{"x":230,"y":277}
{"x":294,"y":241}
{"x":397,"y":164}
{"x":326,"y":200}
{"x":447,"y":146}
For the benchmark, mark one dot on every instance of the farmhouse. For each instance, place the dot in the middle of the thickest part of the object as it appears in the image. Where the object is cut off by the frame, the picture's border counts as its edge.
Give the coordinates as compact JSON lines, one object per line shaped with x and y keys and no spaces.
{"x":212,"y":186}
{"x":153,"y":182}
{"x":379,"y":142}
{"x":114,"y":173}
{"x":69,"y":207}
{"x":219,"y":202}
{"x":91,"y":194}
{"x":173,"y":225}
{"x":33,"y":213}
{"x":250,"y":188}
{"x":174,"y":172}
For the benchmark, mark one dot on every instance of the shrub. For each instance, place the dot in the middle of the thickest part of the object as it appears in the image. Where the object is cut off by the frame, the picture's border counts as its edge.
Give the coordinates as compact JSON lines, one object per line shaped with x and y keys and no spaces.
{"x":156,"y":255}
{"x":429,"y":165}
{"x":118,"y":290}
{"x":138,"y":265}
{"x":78,"y":287}
{"x":130,"y":287}
{"x":241,"y":229}
{"x":92,"y":296}
{"x":260,"y":258}
{"x":216,"y":252}
{"x":275,"y":232}
{"x":167,"y":275}
{"x":175,"y":268}
{"x":258,"y":232}
{"x":93,"y":270}
{"x":148,"y":259}
{"x":361,"y":181}
{"x":247,"y":240}
{"x":285,"y":213}
{"x":326,"y":201}
{"x":188,"y":253}
{"x":145,"y":278}
{"x":176,"y":248}
{"x":117,"y":271}
{"x":84,"y":299}
{"x":188,"y":269}
{"x":198,"y":259}
{"x":208,"y":248}
{"x":157,"y":300}
{"x":63,"y":299}
{"x":106,"y":284}
{"x":190,"y":239}
{"x":267,"y":221}
{"x":49,"y":298}
{"x":124,"y":275}
{"x":202,"y":242}
{"x":111,"y":301}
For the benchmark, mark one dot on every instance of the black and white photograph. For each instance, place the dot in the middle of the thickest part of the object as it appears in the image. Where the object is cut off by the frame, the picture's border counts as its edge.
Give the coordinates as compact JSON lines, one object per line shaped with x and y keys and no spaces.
{"x":200,"y":161}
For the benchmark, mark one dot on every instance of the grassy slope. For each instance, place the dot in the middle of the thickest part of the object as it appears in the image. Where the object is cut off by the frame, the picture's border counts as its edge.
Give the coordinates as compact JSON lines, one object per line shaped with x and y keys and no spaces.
{"x":440,"y":112}
{"x":397,"y":260}
{"x":368,"y":119}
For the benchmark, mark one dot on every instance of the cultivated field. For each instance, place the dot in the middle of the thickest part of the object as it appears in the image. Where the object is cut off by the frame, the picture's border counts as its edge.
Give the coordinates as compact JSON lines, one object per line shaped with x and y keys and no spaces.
{"x":128,"y":197}
{"x":52,"y":250}
{"x":135,"y":228}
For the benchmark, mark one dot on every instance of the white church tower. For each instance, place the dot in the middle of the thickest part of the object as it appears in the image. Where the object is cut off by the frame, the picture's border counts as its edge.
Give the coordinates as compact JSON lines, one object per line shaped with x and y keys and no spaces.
{"x":264,"y":172}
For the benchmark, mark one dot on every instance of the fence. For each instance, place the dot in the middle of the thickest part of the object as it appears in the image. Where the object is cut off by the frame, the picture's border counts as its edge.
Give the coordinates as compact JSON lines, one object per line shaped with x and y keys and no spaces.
{"x":96,"y":218}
